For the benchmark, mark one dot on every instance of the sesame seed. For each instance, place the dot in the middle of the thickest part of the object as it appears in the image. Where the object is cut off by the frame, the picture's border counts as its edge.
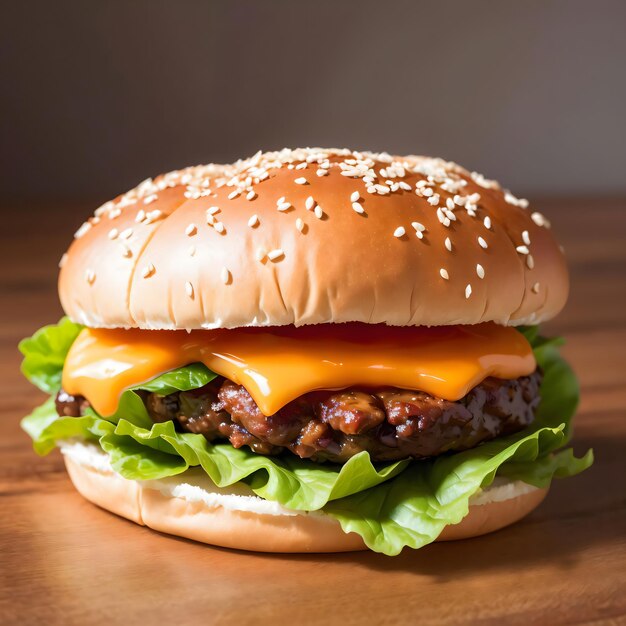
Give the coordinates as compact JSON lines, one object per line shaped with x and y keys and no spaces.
{"x":192,"y":250}
{"x":219,"y":227}
{"x":382,"y":189}
{"x":212,"y":210}
{"x":300,"y":224}
{"x":358,"y":208}
{"x":82,"y":230}
{"x":433,"y":200}
{"x":141,"y":216}
{"x":253,"y":221}
{"x":487,"y":222}
{"x":427,"y":192}
{"x":370,"y":189}
{"x":309,"y":203}
{"x":153,"y":216}
{"x":511,"y":199}
{"x":448,"y":244}
{"x":530,"y":262}
{"x":104,"y":208}
{"x":113,"y":233}
{"x":126,"y":252}
{"x":399,"y":232}
{"x":539,"y":219}
{"x":535,"y":288}
{"x":150,"y":199}
{"x":468,"y":291}
{"x":355,"y":196}
{"x":251,"y":195}
{"x":526,"y":237}
{"x":191,"y":230}
{"x":260,"y":254}
{"x":404,"y":186}
{"x":275,"y":255}
{"x":301,"y":166}
{"x":225,"y":275}
{"x":522,"y":250}
{"x":480,"y":271}
{"x":444,"y":274}
{"x":301,"y":181}
{"x":63,"y":260}
{"x":419,"y":234}
{"x":189,"y":289}
{"x":322,"y":172}
{"x":319,"y":213}
{"x":284,"y":206}
{"x":126,"y":233}
{"x":90,"y":276}
{"x":450,"y":204}
{"x":233,"y":194}
{"x":148,"y":270}
{"x":482,"y":243}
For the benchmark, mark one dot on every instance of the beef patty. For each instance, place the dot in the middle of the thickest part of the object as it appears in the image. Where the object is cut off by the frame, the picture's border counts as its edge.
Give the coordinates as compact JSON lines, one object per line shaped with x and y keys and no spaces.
{"x":335,"y":425}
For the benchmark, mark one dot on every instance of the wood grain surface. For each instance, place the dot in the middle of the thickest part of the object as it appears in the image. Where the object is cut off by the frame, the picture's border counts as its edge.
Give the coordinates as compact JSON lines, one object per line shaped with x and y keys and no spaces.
{"x":64,"y":561}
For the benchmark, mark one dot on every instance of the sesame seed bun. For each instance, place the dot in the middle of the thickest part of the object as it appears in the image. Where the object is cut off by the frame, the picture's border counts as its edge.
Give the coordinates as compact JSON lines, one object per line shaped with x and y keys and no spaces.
{"x":314,"y":236}
{"x":187,"y":506}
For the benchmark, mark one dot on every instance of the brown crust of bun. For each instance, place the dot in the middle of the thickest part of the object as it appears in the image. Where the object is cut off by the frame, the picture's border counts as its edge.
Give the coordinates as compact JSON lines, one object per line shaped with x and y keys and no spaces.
{"x":263,"y":532}
{"x":129,"y":270}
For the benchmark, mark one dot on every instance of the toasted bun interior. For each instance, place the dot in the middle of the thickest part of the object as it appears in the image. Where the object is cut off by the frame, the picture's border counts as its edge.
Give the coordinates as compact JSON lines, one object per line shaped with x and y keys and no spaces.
{"x":190,"y":506}
{"x":314,"y":236}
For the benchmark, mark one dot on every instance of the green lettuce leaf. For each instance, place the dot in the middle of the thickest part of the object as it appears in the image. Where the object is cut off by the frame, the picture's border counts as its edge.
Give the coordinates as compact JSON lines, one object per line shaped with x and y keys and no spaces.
{"x":294,"y":482}
{"x":46,"y":428}
{"x":541,"y":471}
{"x":181,"y":379}
{"x":412,"y":510}
{"x":390,"y":505}
{"x":142,"y":454}
{"x":45,"y":352}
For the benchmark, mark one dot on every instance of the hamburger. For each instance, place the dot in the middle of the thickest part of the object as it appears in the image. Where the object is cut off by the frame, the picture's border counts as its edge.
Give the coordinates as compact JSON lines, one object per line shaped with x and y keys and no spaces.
{"x":310,"y":350}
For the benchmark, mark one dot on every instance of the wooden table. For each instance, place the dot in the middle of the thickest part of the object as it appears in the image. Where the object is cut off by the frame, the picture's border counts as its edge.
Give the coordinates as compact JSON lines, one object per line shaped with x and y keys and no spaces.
{"x":63,"y":561}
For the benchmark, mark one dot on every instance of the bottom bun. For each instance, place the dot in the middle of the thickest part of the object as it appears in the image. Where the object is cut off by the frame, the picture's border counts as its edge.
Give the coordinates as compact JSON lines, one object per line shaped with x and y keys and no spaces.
{"x":191,"y":506}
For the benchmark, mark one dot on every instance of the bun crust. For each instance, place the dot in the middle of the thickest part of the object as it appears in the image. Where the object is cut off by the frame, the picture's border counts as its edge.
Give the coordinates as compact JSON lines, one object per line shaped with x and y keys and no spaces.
{"x":262,"y":532}
{"x":273,"y":241}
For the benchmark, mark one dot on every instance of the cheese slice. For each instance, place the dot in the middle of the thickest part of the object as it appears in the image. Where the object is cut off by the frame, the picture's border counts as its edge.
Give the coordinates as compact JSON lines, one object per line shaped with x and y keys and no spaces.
{"x":278,"y":364}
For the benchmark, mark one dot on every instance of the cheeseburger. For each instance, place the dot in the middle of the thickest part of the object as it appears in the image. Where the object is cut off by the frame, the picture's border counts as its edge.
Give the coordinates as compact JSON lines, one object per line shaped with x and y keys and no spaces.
{"x":310,"y":351}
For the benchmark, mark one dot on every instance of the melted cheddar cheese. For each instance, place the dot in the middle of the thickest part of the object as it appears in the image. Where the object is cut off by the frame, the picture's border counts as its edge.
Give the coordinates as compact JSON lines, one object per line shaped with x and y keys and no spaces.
{"x":276,"y":365}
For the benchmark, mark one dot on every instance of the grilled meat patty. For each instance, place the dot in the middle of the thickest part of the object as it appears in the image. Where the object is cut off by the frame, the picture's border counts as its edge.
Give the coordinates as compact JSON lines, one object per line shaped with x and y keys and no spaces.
{"x":335,"y":425}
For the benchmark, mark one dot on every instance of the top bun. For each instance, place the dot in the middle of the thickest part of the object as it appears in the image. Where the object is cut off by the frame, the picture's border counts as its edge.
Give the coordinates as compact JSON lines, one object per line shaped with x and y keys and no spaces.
{"x":314,"y":236}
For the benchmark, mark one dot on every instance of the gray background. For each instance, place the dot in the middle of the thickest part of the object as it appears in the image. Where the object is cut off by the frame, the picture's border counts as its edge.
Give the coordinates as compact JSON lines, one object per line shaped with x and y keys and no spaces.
{"x":98,"y":95}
